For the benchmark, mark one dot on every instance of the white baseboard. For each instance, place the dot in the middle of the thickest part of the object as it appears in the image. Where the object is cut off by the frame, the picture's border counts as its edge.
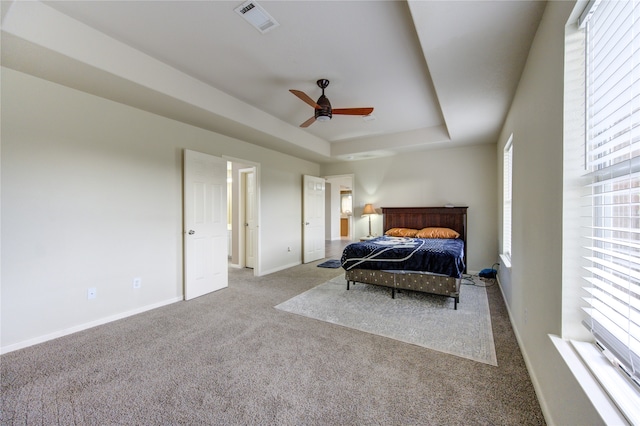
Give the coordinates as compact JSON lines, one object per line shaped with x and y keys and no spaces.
{"x":280,"y":268}
{"x":85,"y":326}
{"x":534,"y":380}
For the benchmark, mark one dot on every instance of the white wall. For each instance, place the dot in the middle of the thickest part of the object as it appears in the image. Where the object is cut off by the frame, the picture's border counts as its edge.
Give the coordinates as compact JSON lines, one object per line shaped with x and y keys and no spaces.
{"x":91,"y":197}
{"x":533,"y":286}
{"x":460,"y":176}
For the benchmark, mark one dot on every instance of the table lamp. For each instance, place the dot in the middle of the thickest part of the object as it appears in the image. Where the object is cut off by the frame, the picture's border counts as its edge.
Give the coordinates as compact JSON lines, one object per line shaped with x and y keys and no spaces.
{"x":369,"y":210}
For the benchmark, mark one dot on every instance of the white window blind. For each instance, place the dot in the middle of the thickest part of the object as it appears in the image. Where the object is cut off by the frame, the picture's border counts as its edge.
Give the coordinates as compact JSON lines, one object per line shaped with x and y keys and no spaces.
{"x":507,"y":195}
{"x":613,"y":167}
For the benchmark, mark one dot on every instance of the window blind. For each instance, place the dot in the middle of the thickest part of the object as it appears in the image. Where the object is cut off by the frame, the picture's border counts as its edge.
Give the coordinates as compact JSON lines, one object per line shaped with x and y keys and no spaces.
{"x":507,"y":196}
{"x":613,"y":167}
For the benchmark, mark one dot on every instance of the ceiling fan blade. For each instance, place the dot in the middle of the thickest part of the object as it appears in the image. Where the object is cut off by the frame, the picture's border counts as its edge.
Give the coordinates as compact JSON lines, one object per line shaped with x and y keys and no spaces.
{"x":352,"y":111}
{"x":309,"y":122}
{"x":305,"y":98}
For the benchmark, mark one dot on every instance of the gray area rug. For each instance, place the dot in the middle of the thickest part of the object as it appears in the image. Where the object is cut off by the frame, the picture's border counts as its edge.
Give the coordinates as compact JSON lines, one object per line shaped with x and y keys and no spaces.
{"x":417,"y":318}
{"x":331,"y":263}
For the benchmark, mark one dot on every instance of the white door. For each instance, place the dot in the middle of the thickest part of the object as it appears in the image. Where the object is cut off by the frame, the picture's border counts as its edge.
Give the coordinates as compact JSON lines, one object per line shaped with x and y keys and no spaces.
{"x":250,"y":221}
{"x":205,"y":224}
{"x":313,"y":218}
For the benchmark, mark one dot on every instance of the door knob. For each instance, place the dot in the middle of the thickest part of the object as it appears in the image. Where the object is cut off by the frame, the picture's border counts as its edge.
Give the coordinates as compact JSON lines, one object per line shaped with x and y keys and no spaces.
{"x":191,"y":232}
{"x":306,"y":223}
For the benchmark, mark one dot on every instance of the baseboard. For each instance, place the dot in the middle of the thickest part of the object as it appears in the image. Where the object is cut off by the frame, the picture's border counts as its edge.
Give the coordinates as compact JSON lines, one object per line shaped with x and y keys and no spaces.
{"x":280,"y":268}
{"x":85,"y":326}
{"x":536,"y":385}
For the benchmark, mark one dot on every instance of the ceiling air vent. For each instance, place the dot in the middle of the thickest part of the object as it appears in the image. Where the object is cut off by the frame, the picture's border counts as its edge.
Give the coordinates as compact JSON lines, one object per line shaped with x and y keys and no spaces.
{"x":256,"y":16}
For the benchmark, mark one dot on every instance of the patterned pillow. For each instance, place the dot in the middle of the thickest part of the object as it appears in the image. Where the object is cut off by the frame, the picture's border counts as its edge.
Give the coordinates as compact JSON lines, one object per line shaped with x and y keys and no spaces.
{"x":401,"y":232}
{"x":437,"y":233}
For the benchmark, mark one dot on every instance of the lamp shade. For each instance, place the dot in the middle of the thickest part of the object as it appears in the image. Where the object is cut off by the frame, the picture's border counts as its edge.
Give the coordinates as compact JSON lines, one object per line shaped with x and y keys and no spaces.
{"x":368,"y":209}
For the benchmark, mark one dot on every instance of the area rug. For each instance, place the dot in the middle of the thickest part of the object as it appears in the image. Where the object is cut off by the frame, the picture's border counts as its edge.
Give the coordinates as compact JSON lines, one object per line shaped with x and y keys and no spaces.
{"x":418,"y":318}
{"x":331,"y":263}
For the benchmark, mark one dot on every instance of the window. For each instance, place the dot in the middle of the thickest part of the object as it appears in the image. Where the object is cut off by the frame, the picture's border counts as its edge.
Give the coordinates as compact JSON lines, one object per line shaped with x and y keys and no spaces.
{"x":612,"y":191}
{"x":506,"y":200}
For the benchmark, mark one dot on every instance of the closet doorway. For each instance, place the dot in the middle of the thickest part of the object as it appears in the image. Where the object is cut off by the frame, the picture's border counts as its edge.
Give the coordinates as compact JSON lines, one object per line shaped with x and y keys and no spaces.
{"x":244,"y":214}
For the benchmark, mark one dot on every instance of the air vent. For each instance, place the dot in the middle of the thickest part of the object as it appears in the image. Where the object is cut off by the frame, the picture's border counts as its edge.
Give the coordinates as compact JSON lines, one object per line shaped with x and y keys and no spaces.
{"x":256,"y":16}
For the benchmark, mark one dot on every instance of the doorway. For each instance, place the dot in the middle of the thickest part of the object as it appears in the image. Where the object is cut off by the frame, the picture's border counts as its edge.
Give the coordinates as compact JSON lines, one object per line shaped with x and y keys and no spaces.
{"x":244,"y":214}
{"x":339,"y":217}
{"x":346,"y":210}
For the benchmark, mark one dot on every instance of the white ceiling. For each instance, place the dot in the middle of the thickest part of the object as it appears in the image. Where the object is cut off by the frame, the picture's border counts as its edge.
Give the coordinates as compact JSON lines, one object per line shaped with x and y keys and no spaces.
{"x":438,"y":73}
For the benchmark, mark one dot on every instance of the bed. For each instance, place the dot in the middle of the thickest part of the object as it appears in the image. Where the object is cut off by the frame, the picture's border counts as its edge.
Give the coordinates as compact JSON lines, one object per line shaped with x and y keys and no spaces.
{"x":405,"y":263}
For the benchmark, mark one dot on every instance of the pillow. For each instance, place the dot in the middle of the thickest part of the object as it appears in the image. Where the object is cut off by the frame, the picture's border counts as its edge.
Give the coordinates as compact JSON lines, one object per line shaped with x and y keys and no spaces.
{"x":437,"y":233}
{"x":401,"y":232}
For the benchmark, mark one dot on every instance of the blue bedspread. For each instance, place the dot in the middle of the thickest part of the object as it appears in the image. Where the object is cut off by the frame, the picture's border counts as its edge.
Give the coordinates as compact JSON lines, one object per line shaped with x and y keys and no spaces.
{"x":440,"y":256}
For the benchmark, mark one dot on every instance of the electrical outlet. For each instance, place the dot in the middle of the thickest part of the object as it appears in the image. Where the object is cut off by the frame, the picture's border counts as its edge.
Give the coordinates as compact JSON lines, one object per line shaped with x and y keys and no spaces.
{"x":137,"y":282}
{"x":92,"y":293}
{"x":288,"y":248}
{"x":526,"y":314}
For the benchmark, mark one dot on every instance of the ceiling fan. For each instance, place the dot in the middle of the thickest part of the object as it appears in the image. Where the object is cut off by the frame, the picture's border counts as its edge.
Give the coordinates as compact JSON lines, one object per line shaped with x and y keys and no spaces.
{"x":323,"y":110}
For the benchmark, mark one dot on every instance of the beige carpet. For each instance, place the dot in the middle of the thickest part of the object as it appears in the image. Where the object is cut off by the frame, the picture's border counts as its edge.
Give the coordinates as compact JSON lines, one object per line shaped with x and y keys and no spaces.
{"x":421,"y":319}
{"x":230,"y":358}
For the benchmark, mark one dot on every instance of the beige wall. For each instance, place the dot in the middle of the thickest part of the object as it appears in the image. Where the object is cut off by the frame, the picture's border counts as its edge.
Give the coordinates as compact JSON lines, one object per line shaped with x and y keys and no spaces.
{"x":92,"y":197}
{"x":533,"y":286}
{"x":460,"y":176}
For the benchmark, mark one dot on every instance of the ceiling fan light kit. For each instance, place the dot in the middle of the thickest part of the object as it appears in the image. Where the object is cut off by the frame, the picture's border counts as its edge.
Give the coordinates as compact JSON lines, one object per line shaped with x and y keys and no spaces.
{"x":322,"y":108}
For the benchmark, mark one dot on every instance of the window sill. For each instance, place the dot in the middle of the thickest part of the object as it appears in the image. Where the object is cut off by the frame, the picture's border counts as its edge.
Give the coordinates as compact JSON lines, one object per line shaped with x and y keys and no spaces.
{"x":506,"y":261}
{"x":609,"y":392}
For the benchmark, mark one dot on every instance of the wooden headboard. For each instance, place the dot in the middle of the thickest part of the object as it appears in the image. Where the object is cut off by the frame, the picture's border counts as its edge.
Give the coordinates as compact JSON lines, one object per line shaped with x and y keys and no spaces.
{"x":422,"y":217}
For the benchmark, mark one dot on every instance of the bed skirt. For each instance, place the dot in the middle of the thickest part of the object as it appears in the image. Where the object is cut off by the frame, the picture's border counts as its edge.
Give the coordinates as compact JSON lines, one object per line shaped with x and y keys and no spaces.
{"x":408,"y":280}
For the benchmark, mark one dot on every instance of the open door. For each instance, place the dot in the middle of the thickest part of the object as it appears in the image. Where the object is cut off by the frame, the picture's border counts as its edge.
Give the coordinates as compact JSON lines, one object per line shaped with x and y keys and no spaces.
{"x":205,"y":224}
{"x":313,"y":218}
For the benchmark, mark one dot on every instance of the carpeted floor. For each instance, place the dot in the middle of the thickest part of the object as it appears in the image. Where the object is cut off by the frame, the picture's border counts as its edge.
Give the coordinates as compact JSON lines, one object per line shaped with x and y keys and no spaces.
{"x":230,"y":358}
{"x":418,"y":318}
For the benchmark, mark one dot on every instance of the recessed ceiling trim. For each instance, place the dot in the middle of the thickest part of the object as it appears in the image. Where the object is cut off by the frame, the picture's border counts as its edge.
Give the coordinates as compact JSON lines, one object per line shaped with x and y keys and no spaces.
{"x":255,"y":14}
